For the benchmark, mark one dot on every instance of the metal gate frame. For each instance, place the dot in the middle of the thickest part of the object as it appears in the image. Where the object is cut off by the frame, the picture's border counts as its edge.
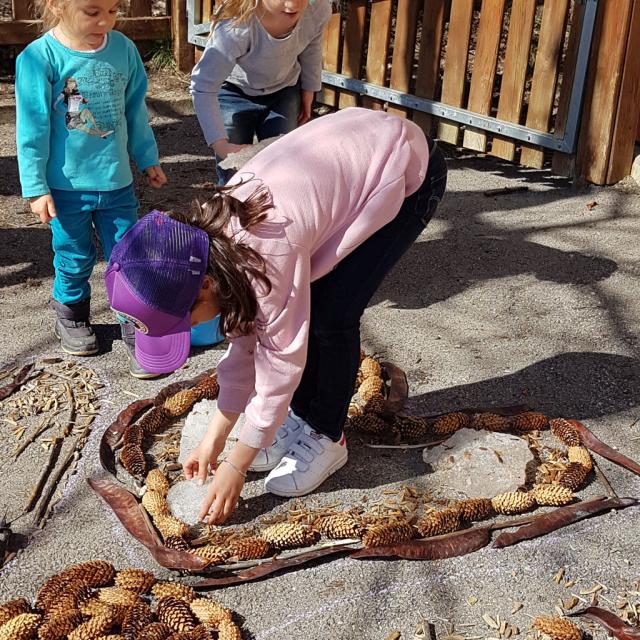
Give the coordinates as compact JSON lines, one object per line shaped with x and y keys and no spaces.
{"x":567,"y":143}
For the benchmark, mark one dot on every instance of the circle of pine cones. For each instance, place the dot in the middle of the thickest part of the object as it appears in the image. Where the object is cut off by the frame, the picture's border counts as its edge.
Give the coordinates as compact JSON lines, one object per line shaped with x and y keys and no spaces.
{"x":92,"y":600}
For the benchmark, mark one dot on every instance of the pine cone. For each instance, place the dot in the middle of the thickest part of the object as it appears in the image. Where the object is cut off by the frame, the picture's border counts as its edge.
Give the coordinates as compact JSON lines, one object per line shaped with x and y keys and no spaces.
{"x":513,"y":502}
{"x":289,"y":536}
{"x":248,"y":548}
{"x":137,"y":618}
{"x":228,"y":630}
{"x":573,"y":476}
{"x":580,"y":455}
{"x":157,"y":481}
{"x":565,"y":432}
{"x":180,"y":402}
{"x":24,"y":626}
{"x":60,"y":626}
{"x":156,"y":419}
{"x":551,"y":495}
{"x":370,"y":368}
{"x":173,"y":589}
{"x":170,"y":526}
{"x":112,"y":636}
{"x":212,"y":553}
{"x":375,"y":404}
{"x":208,"y":388}
{"x":176,"y":613}
{"x":490,"y":422}
{"x":155,"y":504}
{"x":369,"y":423}
{"x":133,"y":435}
{"x":450,"y":422}
{"x":411,"y":428}
{"x":384,"y":534}
{"x":136,"y":580}
{"x":93,"y":628}
{"x":339,"y":527}
{"x":201,"y":632}
{"x":94,"y":607}
{"x":557,"y":628}
{"x":439,"y":522}
{"x":94,"y":573}
{"x":132,"y":458}
{"x":370,"y":387}
{"x":13,"y":608}
{"x":118,"y":597}
{"x":210,"y":612}
{"x":475,"y":509}
{"x":529,"y":421}
{"x":176,"y":542}
{"x":155,"y":631}
{"x":354,"y":410}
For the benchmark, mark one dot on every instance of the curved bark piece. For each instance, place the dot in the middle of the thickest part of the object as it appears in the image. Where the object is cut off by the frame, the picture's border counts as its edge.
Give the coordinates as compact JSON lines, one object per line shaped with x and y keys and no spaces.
{"x":271,"y":566}
{"x":399,"y":390}
{"x":602,"y":449}
{"x":129,"y":512}
{"x":19,"y":378}
{"x":562,"y":517}
{"x":449,"y":545}
{"x":613,"y":625}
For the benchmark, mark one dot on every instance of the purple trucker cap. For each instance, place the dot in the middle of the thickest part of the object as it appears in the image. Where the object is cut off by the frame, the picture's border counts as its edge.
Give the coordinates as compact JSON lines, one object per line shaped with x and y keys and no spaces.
{"x":154,"y":275}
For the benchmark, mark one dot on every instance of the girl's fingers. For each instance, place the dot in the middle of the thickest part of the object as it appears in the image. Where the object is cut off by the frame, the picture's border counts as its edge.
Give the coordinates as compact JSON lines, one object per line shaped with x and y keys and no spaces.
{"x":216,"y":510}
{"x":203,"y":467}
{"x":188,"y":468}
{"x":51,"y":207}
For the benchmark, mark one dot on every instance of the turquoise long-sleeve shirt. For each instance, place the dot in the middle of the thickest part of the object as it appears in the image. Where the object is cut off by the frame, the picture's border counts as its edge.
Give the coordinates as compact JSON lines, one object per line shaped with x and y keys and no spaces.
{"x":80,"y":116}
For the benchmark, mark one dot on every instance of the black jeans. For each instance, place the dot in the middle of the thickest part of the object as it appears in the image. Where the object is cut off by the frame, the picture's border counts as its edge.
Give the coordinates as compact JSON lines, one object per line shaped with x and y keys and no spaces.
{"x":339,"y":299}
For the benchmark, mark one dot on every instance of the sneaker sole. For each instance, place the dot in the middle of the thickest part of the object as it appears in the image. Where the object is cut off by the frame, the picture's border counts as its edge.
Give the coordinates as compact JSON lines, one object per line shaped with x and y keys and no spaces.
{"x":264,"y":467}
{"x":71,"y":352}
{"x":337,"y":465}
{"x":144,"y":376}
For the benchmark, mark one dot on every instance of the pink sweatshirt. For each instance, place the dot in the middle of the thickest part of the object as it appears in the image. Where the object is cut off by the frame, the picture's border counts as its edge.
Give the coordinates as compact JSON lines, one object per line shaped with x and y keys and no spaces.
{"x":334,"y":182}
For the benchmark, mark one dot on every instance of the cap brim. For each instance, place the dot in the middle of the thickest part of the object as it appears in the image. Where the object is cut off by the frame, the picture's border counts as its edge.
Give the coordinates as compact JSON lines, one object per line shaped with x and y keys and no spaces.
{"x":166,"y":353}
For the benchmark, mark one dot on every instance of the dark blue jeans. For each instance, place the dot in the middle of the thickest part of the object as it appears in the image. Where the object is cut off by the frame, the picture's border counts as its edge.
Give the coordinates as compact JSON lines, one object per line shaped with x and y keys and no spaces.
{"x":263,"y":116}
{"x":339,"y":299}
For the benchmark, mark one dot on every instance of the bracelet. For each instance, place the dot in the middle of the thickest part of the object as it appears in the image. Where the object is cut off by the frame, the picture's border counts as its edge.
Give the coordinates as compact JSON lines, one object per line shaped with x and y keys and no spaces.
{"x":233,"y":466}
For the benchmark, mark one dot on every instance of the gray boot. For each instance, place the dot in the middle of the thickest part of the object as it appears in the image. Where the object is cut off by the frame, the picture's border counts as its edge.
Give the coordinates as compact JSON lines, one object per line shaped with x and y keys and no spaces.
{"x":129,"y":338}
{"x":73,"y":327}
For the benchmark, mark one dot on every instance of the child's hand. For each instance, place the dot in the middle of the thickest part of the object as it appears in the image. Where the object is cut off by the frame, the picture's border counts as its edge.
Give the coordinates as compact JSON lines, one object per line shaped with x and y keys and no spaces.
{"x":43,"y":207}
{"x":155,"y":176}
{"x":222,"y":495}
{"x":204,"y":455}
{"x":223,"y":148}
{"x":306,"y":102}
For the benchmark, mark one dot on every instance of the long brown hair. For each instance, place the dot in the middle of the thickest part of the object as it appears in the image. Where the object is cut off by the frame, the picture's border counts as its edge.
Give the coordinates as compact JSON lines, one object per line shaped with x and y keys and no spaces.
{"x":237,"y":10}
{"x":232,"y":265}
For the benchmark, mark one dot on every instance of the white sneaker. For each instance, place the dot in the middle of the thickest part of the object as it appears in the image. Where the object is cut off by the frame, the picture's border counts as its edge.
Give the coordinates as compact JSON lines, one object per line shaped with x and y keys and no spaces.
{"x":307,"y":464}
{"x":286,"y":435}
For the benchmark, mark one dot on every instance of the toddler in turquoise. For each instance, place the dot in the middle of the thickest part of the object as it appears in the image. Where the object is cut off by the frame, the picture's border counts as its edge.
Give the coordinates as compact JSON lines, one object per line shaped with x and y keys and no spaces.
{"x":81,"y":117}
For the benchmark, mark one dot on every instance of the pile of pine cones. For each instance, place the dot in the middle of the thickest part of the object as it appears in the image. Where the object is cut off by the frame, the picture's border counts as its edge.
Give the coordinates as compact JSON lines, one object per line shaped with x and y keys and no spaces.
{"x":92,"y":600}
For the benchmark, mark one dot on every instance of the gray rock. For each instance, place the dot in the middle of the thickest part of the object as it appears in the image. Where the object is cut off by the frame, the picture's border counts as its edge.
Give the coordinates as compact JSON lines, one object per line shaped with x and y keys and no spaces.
{"x":477,"y":464}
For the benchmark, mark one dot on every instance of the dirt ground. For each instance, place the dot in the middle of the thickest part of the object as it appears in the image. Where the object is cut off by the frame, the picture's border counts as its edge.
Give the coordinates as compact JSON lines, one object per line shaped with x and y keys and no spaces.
{"x":529,"y":297}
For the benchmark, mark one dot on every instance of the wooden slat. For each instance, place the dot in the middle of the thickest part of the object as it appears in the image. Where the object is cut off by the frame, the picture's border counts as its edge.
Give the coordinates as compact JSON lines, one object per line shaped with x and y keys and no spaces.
{"x":514,"y":74}
{"x":605,"y":78}
{"x":545,"y":73}
{"x":484,"y":68}
{"x":331,"y":58}
{"x":183,"y":51}
{"x":138,"y":8}
{"x":206,"y":10}
{"x":378,"y":47}
{"x":429,"y":58}
{"x":404,"y":45}
{"x":22,"y":10}
{"x":455,"y":64}
{"x":353,"y":49}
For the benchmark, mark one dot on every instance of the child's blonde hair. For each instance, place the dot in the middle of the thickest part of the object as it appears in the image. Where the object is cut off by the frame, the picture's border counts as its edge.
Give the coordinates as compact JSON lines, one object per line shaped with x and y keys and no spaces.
{"x":45,"y":11}
{"x":238,"y":10}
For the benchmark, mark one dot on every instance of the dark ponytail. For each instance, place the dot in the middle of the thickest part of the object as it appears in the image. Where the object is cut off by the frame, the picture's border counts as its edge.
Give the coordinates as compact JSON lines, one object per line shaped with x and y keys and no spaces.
{"x":232,"y":265}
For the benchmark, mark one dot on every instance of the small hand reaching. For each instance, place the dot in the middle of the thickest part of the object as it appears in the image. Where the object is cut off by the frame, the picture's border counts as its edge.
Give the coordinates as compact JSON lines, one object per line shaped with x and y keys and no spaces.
{"x":156,"y":176}
{"x":203,"y":457}
{"x":223,"y":148}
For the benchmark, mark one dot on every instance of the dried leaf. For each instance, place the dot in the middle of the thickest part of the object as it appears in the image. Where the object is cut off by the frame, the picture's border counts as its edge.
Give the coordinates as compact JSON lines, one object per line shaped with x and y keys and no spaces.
{"x":559,"y":575}
{"x":610,"y":622}
{"x":490,"y":621}
{"x":570,"y":603}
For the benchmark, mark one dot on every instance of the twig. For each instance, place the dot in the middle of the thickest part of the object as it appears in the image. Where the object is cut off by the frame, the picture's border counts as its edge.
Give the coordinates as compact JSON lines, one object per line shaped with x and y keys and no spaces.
{"x":422,"y":445}
{"x":53,"y":458}
{"x":44,"y":425}
{"x":71,"y":417}
{"x":605,"y":481}
{"x":46,"y":506}
{"x":505,"y":191}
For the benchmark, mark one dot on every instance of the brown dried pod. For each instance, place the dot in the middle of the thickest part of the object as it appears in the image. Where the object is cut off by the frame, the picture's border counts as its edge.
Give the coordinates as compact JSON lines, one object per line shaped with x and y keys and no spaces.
{"x":285,"y":535}
{"x":180,"y":402}
{"x":439,"y":522}
{"x":490,"y":422}
{"x":132,"y":459}
{"x":24,"y":626}
{"x":475,"y":509}
{"x":154,"y":420}
{"x":155,"y":631}
{"x":176,"y":542}
{"x":13,"y":608}
{"x":157,"y":481}
{"x":339,"y":526}
{"x":450,"y":423}
{"x":155,"y":503}
{"x":169,"y":525}
{"x":133,"y":435}
{"x":208,"y":388}
{"x":60,"y":626}
{"x":391,"y":533}
{"x":513,"y":502}
{"x":212,"y":553}
{"x":228,"y":630}
{"x":375,"y":404}
{"x":370,"y":387}
{"x":369,"y":423}
{"x":551,"y":495}
{"x":580,"y":455}
{"x":210,"y":612}
{"x":557,"y":628}
{"x":176,"y":613}
{"x":173,"y":589}
{"x":135,"y":619}
{"x":529,"y":421}
{"x":565,"y":432}
{"x":136,"y":580}
{"x":118,"y":597}
{"x":573,"y":476}
{"x":248,"y":548}
{"x":92,"y":628}
{"x":370,"y":368}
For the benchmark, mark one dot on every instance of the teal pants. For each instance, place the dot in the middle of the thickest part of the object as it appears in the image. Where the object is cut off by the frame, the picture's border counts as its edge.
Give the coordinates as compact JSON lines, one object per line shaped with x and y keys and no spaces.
{"x":110,"y":213}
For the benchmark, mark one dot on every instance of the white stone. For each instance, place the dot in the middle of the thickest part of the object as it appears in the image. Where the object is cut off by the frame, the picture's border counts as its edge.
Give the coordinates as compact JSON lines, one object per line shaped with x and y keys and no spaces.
{"x":477,"y":464}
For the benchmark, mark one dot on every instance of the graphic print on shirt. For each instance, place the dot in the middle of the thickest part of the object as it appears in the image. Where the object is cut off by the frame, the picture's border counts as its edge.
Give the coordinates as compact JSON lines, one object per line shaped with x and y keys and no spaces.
{"x":94,"y":104}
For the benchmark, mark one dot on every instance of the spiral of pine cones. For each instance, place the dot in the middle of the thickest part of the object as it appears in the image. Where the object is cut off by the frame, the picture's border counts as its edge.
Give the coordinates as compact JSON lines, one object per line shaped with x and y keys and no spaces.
{"x":384,"y":534}
{"x":285,"y":535}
